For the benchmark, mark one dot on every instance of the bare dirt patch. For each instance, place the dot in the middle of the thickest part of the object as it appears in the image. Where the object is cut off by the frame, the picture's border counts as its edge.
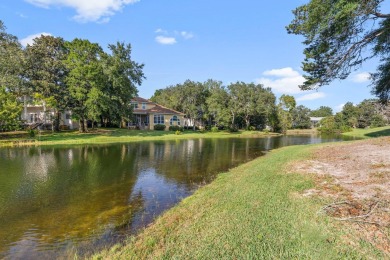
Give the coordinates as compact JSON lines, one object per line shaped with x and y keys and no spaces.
{"x":357,"y":177}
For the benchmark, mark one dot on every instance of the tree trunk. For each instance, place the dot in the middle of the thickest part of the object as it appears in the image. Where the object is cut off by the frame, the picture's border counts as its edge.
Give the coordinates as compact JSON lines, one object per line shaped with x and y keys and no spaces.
{"x":57,"y":122}
{"x":85,"y":125}
{"x":81,"y":126}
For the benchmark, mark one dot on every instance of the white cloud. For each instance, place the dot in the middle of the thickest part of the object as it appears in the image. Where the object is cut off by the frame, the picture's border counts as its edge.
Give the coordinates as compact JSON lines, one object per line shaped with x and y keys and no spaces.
{"x":186,"y":35}
{"x":284,"y":73}
{"x":339,"y":108}
{"x":30,"y":39}
{"x":165,"y":40}
{"x":311,"y":96}
{"x":87,"y":10}
{"x":284,"y":81}
{"x":361,"y":77}
{"x":159,"y":30}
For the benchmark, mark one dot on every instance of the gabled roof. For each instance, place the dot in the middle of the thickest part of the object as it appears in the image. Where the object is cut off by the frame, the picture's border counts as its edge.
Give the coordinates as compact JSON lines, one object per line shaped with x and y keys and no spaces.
{"x":163,"y":110}
{"x":157,"y":109}
{"x":142,"y":100}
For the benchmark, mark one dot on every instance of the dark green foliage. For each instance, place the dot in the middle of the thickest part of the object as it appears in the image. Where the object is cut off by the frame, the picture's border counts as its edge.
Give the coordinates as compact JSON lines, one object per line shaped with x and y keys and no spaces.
{"x":301,"y":118}
{"x":46,"y":71}
{"x":159,"y":127}
{"x":377,"y":121}
{"x":233,"y":129}
{"x":12,"y":63}
{"x":337,"y":34}
{"x":176,"y":128}
{"x":322,"y":111}
{"x":10,"y":110}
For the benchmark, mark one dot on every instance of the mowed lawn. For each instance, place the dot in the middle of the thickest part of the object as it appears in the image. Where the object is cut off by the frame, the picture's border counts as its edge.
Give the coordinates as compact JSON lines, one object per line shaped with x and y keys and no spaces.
{"x":103,"y":136}
{"x":254,"y":211}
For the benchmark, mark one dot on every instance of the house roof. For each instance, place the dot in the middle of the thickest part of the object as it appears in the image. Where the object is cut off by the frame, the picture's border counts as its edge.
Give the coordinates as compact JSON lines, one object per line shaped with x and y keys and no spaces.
{"x":157,"y":109}
{"x":142,"y":100}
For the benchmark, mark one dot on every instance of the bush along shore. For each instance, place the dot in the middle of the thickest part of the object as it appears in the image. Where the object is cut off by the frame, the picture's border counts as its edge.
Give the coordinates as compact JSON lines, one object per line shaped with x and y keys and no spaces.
{"x":258,"y":210}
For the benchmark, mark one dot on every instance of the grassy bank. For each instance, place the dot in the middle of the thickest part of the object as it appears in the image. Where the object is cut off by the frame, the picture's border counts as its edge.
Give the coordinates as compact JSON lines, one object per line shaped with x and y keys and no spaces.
{"x":103,"y":136}
{"x":369,"y":132}
{"x":254,"y":211}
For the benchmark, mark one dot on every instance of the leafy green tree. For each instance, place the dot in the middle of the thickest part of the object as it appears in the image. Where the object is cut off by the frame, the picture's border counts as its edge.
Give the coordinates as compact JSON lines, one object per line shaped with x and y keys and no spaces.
{"x":337,"y":34}
{"x":217,"y":102}
{"x":123,"y":76}
{"x":322,"y":111}
{"x":46,"y":72}
{"x":285,"y":107}
{"x":300,"y":117}
{"x":12,"y":62}
{"x":249,"y":100}
{"x":10,"y":110}
{"x":86,"y":80}
{"x":194,"y":100}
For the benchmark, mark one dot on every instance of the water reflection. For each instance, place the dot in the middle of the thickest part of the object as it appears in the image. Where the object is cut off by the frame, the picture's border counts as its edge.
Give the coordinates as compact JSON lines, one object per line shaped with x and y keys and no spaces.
{"x":55,"y":199}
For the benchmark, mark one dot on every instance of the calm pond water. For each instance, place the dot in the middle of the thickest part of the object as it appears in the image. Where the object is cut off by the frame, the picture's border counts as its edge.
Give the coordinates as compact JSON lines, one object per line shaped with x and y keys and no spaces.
{"x":55,"y":201}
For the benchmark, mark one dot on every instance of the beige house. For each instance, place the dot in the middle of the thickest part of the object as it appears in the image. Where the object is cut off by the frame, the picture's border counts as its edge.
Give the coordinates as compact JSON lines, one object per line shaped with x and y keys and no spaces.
{"x":35,"y":114}
{"x":147,"y":114}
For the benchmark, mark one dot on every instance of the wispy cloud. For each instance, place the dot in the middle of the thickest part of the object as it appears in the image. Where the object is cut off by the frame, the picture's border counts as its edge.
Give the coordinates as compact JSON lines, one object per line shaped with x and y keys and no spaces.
{"x":165,"y":37}
{"x":30,"y":39}
{"x":362,"y":77}
{"x":283,"y":81}
{"x":187,"y":35}
{"x":311,"y":96}
{"x":165,"y":40}
{"x":87,"y":10}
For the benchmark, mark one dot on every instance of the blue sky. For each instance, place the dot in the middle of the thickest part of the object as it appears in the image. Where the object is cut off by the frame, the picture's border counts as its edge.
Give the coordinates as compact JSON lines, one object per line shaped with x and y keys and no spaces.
{"x":178,"y":40}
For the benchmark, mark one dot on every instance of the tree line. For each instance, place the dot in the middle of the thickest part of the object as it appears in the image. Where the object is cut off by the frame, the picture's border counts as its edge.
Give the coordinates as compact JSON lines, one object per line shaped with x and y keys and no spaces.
{"x":75,"y":75}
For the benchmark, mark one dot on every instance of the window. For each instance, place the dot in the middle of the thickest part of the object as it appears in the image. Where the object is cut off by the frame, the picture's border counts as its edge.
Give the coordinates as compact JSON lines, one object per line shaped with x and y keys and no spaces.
{"x":143,"y":105}
{"x":67,"y":116}
{"x":175,"y":119}
{"x":158,"y":119}
{"x":134,"y":105}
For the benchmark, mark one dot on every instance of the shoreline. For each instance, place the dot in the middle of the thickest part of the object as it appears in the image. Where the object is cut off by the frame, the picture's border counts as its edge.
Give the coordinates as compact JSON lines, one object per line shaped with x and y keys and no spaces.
{"x":258,"y":209}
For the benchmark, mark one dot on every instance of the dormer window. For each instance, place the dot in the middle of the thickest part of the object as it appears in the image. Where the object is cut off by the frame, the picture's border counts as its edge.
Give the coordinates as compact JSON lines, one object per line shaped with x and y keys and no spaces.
{"x":134,"y":105}
{"x":143,"y":105}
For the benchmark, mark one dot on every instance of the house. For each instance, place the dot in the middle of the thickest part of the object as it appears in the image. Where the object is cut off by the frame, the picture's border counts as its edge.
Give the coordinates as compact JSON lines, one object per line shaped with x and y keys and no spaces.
{"x":315,"y":121}
{"x":38,"y":114}
{"x":147,"y":114}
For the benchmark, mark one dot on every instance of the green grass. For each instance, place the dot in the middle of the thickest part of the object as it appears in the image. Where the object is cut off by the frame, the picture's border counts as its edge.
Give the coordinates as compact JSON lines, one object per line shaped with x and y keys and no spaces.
{"x":369,"y":132}
{"x":103,"y":136}
{"x":254,"y":211}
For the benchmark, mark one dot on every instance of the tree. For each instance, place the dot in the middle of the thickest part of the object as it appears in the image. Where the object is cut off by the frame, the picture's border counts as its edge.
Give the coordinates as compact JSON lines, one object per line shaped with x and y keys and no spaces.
{"x":11,"y":63}
{"x":301,"y":118}
{"x":338,"y":35}
{"x":46,"y":72}
{"x":217,"y":102}
{"x":10,"y":110}
{"x":123,"y":76}
{"x":286,"y":104}
{"x":86,"y":80}
{"x":322,"y":111}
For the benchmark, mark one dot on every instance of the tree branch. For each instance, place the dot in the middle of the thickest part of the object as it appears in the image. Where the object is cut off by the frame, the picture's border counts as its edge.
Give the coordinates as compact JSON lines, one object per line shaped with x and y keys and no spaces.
{"x":380,"y":15}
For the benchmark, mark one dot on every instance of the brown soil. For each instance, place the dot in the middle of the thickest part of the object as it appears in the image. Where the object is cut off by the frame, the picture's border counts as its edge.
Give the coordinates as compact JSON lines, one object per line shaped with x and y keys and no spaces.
{"x":357,"y":177}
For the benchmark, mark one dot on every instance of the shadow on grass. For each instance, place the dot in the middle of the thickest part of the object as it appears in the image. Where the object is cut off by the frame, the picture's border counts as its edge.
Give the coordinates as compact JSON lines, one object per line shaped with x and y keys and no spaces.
{"x":385,"y":132}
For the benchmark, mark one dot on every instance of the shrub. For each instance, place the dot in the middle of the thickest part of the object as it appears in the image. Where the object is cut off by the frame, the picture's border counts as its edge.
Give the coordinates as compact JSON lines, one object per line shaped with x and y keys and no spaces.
{"x":176,"y":128}
{"x":159,"y":127}
{"x":214,"y":129}
{"x":251,"y":128}
{"x":232,"y":129}
{"x":31,"y":133}
{"x":178,"y":132}
{"x":377,"y":121}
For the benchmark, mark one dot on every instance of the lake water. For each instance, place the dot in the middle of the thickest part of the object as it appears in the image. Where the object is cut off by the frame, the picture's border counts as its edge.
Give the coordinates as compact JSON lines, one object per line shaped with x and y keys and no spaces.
{"x":55,"y":201}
